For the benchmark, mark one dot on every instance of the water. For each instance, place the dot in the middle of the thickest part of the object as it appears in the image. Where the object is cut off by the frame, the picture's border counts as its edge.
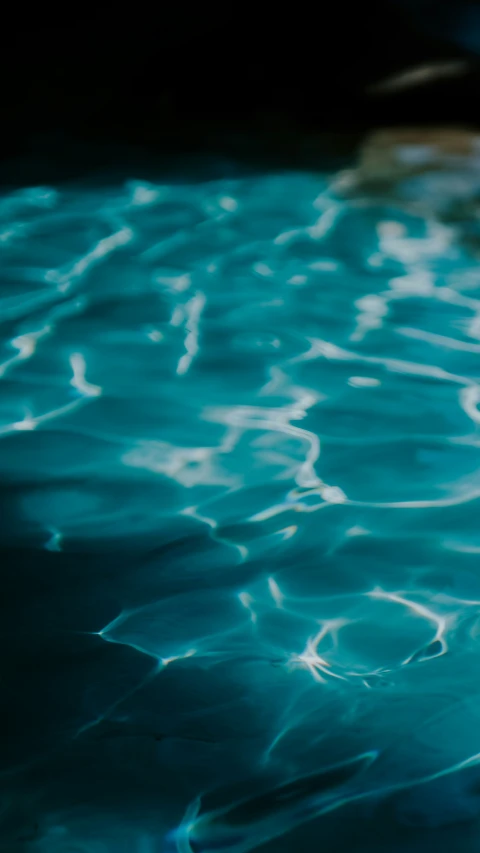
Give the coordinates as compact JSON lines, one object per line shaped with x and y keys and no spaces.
{"x":239,"y":459}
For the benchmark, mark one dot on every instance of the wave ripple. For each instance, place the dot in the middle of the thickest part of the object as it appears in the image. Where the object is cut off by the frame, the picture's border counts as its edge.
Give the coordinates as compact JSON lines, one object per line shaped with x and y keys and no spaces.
{"x":239,"y":454}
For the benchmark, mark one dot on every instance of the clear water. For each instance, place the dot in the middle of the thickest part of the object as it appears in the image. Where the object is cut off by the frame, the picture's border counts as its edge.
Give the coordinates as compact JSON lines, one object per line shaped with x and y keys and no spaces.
{"x":240,"y":476}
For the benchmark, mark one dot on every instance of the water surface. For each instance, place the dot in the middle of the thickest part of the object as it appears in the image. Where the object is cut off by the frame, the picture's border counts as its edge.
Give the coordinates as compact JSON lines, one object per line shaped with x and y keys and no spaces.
{"x":239,"y":461}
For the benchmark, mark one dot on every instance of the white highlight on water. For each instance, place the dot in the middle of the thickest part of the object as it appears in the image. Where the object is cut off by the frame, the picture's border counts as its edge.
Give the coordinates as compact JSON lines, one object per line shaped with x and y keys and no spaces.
{"x":78,"y":365}
{"x":193,"y":310}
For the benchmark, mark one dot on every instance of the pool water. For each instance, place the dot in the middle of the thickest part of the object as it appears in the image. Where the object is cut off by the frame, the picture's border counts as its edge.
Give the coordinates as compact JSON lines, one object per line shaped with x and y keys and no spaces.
{"x":239,"y":458}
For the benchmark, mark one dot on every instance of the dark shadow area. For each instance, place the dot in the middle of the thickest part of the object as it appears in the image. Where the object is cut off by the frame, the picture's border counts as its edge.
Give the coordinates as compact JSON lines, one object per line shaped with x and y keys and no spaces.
{"x":279,"y":86}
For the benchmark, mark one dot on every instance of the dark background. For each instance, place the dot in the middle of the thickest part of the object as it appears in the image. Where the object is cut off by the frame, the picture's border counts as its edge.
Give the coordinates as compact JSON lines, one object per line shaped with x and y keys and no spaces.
{"x":178,"y":77}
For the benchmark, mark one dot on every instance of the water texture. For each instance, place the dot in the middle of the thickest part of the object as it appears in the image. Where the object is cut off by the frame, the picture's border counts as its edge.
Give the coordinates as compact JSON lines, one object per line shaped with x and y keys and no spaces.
{"x":239,"y":462}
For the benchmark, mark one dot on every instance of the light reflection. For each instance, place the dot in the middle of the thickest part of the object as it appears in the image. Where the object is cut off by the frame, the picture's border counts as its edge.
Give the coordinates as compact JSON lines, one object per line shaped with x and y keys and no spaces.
{"x":227,"y":457}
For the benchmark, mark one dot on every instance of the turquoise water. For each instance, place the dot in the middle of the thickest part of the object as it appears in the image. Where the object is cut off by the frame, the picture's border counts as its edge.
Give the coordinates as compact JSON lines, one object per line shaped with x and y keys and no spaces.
{"x":239,"y":456}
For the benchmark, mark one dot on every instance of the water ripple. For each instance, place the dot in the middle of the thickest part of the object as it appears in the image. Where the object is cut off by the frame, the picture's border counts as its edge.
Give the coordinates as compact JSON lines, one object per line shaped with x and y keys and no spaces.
{"x":238,"y":437}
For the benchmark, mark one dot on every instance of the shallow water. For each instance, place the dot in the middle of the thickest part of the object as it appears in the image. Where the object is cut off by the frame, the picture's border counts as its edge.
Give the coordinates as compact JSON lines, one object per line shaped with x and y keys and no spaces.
{"x":239,"y":459}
